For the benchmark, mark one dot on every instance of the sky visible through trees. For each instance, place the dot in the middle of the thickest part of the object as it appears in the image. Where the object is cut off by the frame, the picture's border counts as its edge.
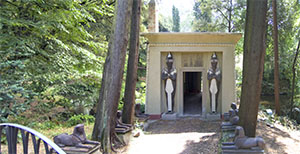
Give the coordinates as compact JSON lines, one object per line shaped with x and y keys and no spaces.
{"x":185,"y":8}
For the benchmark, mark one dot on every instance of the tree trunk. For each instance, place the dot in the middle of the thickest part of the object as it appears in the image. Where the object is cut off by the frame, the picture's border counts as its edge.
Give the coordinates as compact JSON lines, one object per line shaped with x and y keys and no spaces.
{"x":253,"y":64}
{"x":294,"y":76}
{"x":131,"y":78}
{"x":104,"y":128}
{"x":229,"y":17}
{"x":276,"y":68}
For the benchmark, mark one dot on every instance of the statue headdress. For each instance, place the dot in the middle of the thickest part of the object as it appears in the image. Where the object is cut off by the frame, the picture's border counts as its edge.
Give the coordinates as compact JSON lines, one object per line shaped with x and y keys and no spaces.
{"x":214,"y":56}
{"x":169,"y":56}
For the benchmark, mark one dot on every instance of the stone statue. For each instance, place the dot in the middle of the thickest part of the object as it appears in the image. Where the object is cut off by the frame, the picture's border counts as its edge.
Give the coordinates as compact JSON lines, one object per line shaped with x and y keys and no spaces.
{"x":138,"y":113}
{"x":232,"y":117}
{"x":243,"y":142}
{"x":120,"y":126}
{"x":169,"y":75}
{"x":233,"y":114}
{"x":214,"y":78}
{"x":77,"y":139}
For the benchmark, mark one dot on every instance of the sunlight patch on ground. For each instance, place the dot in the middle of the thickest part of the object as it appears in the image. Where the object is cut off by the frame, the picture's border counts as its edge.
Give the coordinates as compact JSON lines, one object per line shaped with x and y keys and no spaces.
{"x":174,"y":143}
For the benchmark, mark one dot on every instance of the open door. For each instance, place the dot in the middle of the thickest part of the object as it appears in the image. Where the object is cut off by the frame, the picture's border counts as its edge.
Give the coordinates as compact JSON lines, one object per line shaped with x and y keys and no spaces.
{"x":193,"y":88}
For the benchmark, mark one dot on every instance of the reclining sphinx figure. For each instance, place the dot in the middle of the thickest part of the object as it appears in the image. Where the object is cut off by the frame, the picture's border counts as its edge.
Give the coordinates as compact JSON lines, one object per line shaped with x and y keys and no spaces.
{"x":244,"y":142}
{"x":77,"y":139}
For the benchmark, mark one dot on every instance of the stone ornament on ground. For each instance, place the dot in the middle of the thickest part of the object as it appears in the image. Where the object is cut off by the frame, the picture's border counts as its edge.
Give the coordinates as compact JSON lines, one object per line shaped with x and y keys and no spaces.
{"x":77,"y":139}
{"x":233,"y":117}
{"x":243,"y":142}
{"x":233,"y":113}
{"x":122,"y":127}
{"x":138,"y":113}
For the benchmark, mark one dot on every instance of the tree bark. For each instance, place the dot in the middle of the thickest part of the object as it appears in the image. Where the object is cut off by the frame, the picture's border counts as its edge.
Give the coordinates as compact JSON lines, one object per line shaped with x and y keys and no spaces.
{"x":276,"y":67}
{"x":104,"y":128}
{"x":294,"y":77}
{"x":230,"y":14}
{"x":253,"y":64}
{"x":131,"y":77}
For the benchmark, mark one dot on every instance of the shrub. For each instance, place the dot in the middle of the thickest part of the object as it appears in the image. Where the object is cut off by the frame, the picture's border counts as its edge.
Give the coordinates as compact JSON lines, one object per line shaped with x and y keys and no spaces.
{"x":81,"y":118}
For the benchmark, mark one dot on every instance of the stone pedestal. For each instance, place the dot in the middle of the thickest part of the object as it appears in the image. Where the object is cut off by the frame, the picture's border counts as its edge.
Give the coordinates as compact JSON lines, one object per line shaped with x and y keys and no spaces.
{"x":125,"y":137}
{"x":169,"y":116}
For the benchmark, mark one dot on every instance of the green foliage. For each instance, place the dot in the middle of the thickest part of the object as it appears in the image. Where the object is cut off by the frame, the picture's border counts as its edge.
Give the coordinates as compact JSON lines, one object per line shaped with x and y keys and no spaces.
{"x":79,"y":119}
{"x":282,"y":120}
{"x":219,"y":15}
{"x":165,"y":23}
{"x":141,"y":92}
{"x":46,"y":125}
{"x":202,"y":18}
{"x":51,"y":55}
{"x":229,"y":16}
{"x":176,"y":19}
{"x":288,"y":28}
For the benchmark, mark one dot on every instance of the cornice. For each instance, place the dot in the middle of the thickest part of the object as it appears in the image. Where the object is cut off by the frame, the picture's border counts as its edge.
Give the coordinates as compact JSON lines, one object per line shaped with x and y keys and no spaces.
{"x":190,"y":45}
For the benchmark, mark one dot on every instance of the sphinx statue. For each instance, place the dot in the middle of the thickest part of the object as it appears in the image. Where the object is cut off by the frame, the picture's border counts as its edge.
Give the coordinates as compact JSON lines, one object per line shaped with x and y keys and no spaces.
{"x":233,"y":114}
{"x":234,"y":118}
{"x":214,"y":78}
{"x":243,"y":142}
{"x":120,"y":126}
{"x":138,"y":113}
{"x":169,"y":75}
{"x":231,"y":118}
{"x":76,"y":139}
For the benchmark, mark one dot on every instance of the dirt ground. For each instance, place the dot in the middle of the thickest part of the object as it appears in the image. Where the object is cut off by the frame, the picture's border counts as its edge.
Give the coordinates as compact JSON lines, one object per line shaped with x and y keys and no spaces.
{"x":196,"y":136}
{"x":279,"y":140}
{"x":183,"y":136}
{"x":193,"y":136}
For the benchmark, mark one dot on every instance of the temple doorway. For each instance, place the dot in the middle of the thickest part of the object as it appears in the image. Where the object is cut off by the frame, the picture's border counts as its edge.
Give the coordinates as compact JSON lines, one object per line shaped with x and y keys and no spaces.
{"x":193,"y":89}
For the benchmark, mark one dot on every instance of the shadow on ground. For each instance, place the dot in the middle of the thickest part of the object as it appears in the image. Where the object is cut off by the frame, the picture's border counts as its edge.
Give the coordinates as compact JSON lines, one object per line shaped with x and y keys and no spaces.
{"x":187,"y":135}
{"x":277,"y":140}
{"x":207,"y":145}
{"x":183,"y":125}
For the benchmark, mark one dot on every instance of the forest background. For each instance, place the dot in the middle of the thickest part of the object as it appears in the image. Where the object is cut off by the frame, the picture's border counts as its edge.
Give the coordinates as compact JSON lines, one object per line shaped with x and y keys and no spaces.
{"x":52,"y":54}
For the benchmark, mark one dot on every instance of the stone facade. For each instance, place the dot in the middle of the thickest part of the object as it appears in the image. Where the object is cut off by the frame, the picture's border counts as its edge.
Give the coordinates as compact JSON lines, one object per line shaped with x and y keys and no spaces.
{"x":192,"y":53}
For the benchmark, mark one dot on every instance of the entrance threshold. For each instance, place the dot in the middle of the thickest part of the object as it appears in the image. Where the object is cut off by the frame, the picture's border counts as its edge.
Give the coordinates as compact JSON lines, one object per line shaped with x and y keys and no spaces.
{"x":191,"y":115}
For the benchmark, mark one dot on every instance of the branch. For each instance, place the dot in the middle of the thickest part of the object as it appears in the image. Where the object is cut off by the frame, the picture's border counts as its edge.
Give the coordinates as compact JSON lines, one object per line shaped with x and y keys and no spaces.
{"x":11,"y":3}
{"x":297,"y":52}
{"x":223,"y":14}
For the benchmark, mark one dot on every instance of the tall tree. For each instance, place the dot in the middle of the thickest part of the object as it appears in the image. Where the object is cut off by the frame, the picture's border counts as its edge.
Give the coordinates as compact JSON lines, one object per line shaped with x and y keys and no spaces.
{"x":294,"y":77}
{"x":253,"y":63}
{"x":276,"y":67}
{"x":176,"y":19}
{"x":104,"y":128}
{"x":219,"y":15}
{"x":202,"y":18}
{"x":131,"y":77}
{"x":288,"y":25}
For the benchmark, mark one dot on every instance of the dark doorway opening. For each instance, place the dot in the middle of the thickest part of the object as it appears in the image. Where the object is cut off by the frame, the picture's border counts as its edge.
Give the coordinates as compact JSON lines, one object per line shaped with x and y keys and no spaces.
{"x":193,"y":87}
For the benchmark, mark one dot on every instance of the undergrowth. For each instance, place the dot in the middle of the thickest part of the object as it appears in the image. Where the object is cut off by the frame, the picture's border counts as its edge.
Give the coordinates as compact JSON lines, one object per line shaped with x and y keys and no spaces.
{"x":272,"y":119}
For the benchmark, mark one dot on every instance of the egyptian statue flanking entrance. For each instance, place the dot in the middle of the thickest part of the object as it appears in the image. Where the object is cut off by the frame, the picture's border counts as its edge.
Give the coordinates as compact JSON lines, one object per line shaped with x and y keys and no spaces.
{"x":205,"y":73}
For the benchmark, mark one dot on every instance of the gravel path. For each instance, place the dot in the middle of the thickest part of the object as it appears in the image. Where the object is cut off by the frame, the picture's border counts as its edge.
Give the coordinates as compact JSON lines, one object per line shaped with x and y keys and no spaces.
{"x":182,"y":136}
